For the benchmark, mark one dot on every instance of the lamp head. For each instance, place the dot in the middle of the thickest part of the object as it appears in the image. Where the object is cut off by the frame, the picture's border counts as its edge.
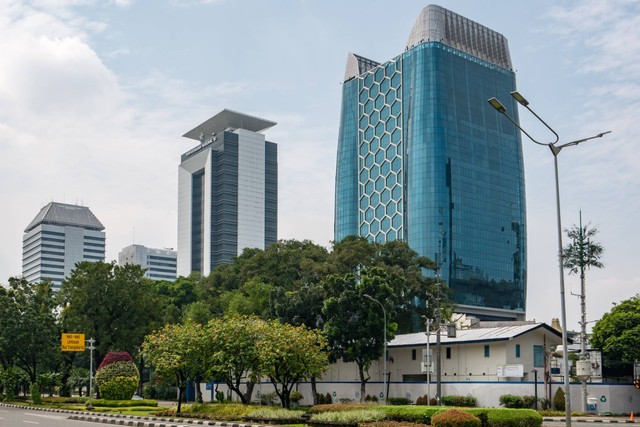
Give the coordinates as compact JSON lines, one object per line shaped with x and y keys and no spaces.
{"x":497,"y":105}
{"x":516,"y":95}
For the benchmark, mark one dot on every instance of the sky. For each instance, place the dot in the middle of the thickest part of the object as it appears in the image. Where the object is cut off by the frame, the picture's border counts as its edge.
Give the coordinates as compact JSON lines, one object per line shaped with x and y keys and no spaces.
{"x":95,"y":95}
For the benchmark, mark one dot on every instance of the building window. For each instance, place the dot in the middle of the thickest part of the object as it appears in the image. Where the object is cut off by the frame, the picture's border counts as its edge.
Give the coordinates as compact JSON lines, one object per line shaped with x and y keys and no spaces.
{"x":487,"y":352}
{"x":538,"y":356}
{"x":517,"y":350}
{"x":448,"y":352}
{"x":413,"y":354}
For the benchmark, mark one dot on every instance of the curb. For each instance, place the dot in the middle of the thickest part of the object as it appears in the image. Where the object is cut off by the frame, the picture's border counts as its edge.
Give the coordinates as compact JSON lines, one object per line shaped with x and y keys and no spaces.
{"x":595,"y":420}
{"x":131,"y":420}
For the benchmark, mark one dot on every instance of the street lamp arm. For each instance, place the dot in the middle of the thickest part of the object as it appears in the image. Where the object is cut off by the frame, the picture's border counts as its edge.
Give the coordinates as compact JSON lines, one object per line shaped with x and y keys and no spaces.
{"x":580,"y":141}
{"x":500,"y":109}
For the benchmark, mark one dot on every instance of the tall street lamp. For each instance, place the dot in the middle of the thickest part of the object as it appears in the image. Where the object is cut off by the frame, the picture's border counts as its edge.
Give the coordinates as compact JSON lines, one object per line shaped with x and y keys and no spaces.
{"x":555,"y":150}
{"x":384,"y":356}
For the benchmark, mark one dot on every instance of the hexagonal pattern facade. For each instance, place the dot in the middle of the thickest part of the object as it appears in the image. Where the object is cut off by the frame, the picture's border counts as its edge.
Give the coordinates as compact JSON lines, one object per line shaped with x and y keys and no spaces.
{"x":380,"y":149}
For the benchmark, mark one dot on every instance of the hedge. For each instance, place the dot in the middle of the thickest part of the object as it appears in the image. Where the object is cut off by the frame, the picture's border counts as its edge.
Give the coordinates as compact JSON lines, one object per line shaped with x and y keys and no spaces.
{"x":504,"y":417}
{"x":123,"y":403}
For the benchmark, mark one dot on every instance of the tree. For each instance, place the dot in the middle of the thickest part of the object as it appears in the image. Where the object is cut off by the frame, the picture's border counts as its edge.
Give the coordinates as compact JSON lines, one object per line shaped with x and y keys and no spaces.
{"x":178,"y":352}
{"x":232,"y":341}
{"x":355,"y":325}
{"x":27,"y":319}
{"x":617,"y":334}
{"x":290,"y":354}
{"x":114,"y":304}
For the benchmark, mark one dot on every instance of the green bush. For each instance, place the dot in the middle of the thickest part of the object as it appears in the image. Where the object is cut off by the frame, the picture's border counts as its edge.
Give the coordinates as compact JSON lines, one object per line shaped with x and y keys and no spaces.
{"x":558,"y":400}
{"x":36,"y":398}
{"x":274,"y":414}
{"x":463,"y":401}
{"x":296,"y":396}
{"x":119,"y":388}
{"x":105,"y":403}
{"x":396,"y":401}
{"x":349,"y":417}
{"x":529,"y":401}
{"x":118,"y":380}
{"x":455,"y":418}
{"x":511,"y":401}
{"x":160,"y":391}
{"x":117,"y":369}
{"x":513,"y":418}
{"x":412,"y":414}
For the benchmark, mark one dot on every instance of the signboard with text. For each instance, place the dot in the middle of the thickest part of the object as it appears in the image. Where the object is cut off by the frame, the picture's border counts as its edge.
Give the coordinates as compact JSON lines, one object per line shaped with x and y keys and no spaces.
{"x":72,"y":342}
{"x":510,"y":371}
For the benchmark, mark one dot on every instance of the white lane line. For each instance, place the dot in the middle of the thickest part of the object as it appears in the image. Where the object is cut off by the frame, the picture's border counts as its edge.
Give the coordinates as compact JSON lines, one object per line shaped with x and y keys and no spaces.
{"x":55,"y":417}
{"x":30,"y":422}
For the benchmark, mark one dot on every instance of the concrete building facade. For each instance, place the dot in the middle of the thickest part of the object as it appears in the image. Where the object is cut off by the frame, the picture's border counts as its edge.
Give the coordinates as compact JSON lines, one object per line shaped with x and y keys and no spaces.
{"x":227,"y":192}
{"x":59,"y":237}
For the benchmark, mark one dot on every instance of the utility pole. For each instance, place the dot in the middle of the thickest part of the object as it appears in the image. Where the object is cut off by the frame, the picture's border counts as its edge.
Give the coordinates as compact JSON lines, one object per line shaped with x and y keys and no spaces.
{"x":583,"y":323}
{"x":91,"y":347}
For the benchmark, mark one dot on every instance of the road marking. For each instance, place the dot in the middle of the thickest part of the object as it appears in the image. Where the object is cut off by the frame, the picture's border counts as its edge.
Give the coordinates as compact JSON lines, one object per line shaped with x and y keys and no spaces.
{"x":31,"y":422}
{"x":55,"y":417}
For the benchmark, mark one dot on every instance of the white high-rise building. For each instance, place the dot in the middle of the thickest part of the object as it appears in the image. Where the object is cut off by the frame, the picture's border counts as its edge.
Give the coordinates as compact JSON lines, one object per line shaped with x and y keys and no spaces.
{"x":160,"y":264}
{"x":60,"y":236}
{"x":227,"y":192}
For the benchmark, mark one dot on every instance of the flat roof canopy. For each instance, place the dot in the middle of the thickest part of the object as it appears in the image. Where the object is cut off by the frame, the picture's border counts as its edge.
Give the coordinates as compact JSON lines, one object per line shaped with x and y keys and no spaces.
{"x":229,"y":119}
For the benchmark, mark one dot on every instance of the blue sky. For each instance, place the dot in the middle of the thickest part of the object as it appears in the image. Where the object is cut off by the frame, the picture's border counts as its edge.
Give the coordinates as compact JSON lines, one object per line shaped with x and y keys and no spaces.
{"x":95,"y":95}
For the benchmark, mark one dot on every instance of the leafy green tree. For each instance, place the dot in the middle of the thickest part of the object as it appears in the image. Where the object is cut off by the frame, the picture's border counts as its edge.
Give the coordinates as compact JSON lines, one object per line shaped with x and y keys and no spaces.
{"x":27,"y":318}
{"x":175,"y":297}
{"x":617,"y":334}
{"x":232,"y":341}
{"x":178,"y":353}
{"x":354,"y":325}
{"x":114,"y":304}
{"x":290,"y":354}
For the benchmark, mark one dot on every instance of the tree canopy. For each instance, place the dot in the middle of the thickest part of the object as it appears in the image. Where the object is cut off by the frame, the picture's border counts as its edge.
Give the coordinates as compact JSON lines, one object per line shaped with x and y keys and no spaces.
{"x":617,"y":334}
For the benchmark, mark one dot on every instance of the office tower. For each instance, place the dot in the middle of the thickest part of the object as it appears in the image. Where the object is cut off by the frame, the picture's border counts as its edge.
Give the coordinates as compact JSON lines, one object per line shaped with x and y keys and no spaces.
{"x":60,"y":236}
{"x":228,"y":192}
{"x":160,"y":264}
{"x":422,"y":157}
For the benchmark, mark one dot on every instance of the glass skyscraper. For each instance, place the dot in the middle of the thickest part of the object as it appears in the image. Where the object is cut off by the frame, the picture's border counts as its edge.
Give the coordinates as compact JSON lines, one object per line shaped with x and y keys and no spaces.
{"x":227,"y":192}
{"x":422,"y":157}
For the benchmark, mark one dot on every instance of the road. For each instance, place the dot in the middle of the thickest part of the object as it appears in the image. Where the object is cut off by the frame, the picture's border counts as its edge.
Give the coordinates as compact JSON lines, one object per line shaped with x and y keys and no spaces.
{"x":18,"y":417}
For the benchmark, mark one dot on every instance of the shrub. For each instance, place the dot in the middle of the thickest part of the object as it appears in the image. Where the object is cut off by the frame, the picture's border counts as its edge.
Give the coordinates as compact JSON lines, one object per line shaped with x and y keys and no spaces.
{"x":296,"y":396}
{"x":274,"y":414}
{"x":422,"y":400}
{"x":511,"y":401}
{"x":119,"y":388}
{"x":104,"y":403}
{"x":514,"y":418}
{"x":36,"y":398}
{"x":399,"y":401}
{"x":464,"y":401}
{"x":115,"y":356}
{"x":370,"y":398}
{"x":529,"y":401}
{"x":412,"y":414}
{"x":349,"y":417}
{"x":117,"y":378}
{"x":455,"y":418}
{"x":328,"y":399}
{"x":558,"y":400}
{"x":338,"y":408}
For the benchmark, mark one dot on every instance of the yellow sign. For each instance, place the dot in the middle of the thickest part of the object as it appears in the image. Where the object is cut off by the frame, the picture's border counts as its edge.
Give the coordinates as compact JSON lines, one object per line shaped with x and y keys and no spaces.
{"x":72,"y":342}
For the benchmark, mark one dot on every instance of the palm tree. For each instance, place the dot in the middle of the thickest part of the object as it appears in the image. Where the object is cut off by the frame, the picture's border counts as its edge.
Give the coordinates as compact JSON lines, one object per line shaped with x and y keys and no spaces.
{"x":582,"y":253}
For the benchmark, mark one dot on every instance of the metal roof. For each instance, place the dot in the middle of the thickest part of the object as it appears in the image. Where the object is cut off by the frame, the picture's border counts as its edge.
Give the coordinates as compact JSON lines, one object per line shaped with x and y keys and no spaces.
{"x":63,"y":214}
{"x":229,"y":119}
{"x":435,"y":23}
{"x":465,"y":336}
